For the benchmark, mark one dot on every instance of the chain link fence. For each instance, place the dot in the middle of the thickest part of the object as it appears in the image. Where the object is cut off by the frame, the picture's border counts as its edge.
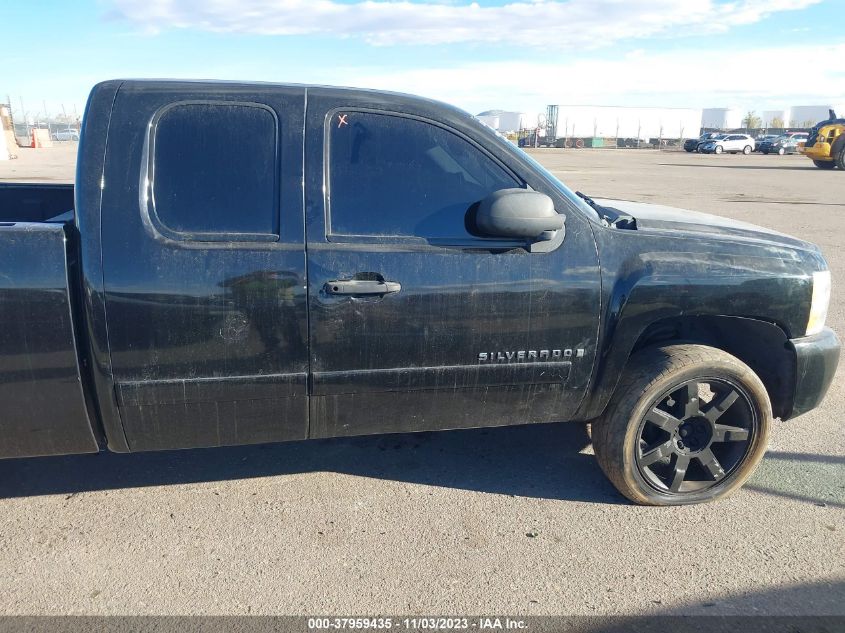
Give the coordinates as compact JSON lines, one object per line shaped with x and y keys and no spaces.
{"x":61,"y":127}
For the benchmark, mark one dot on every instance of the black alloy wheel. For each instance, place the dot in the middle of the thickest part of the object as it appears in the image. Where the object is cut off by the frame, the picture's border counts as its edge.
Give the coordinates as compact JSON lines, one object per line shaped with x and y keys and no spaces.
{"x":687,"y":423}
{"x":695,"y":435}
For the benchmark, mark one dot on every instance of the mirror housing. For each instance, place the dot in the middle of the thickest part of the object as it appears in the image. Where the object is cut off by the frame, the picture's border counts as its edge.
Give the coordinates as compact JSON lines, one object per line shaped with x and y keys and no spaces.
{"x":518,"y":213}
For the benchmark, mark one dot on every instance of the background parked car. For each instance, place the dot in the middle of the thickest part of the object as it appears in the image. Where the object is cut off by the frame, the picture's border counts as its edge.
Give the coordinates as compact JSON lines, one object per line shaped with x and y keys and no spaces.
{"x":692,"y":144}
{"x":731,"y":143}
{"x":763,"y":138}
{"x":70,"y":134}
{"x":785,"y":143}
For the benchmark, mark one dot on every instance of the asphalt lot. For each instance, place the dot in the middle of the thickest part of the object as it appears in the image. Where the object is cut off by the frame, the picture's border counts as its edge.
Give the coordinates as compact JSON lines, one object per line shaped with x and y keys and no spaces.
{"x":439,"y":523}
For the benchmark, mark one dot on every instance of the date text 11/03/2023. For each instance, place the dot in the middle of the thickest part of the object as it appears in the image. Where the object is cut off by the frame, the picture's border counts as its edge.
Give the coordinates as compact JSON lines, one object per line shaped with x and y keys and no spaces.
{"x":487,"y":623}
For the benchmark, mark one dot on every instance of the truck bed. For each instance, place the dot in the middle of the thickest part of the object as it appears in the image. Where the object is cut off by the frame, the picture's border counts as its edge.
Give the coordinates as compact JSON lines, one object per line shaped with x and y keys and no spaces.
{"x":42,"y":405}
{"x":35,"y":202}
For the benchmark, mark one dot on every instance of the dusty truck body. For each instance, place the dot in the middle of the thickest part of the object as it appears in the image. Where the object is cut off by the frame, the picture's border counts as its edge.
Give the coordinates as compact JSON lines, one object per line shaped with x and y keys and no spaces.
{"x":245,"y":263}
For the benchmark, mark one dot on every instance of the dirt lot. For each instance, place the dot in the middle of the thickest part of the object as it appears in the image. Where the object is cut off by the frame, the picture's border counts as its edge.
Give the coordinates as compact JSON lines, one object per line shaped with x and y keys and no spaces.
{"x":438,"y":523}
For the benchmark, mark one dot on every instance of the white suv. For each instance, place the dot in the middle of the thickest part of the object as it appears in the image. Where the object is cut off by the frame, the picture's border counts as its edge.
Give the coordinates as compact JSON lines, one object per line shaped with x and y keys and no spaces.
{"x":732,"y":143}
{"x":69,"y":134}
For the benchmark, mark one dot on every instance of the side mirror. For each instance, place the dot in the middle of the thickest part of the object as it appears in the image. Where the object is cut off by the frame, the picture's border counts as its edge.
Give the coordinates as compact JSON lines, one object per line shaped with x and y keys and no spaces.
{"x":518,"y":213}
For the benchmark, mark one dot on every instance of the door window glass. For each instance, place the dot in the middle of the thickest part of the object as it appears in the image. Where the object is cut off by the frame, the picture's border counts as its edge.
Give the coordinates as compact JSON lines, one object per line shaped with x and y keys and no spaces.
{"x":397,"y":176}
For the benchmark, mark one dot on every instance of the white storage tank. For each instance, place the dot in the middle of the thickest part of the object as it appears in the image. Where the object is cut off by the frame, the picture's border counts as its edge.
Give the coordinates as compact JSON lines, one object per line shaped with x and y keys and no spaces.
{"x":809,"y":115}
{"x":504,"y":122}
{"x":769,"y":118}
{"x":722,"y":118}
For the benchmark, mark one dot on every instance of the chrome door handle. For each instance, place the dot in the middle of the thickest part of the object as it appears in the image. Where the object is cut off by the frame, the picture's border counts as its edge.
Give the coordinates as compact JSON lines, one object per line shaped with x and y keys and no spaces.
{"x":361,"y":287}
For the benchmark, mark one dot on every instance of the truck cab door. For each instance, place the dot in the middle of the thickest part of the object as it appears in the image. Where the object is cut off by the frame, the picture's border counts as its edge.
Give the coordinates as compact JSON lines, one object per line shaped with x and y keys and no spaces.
{"x":416,"y":322}
{"x":204,"y":263}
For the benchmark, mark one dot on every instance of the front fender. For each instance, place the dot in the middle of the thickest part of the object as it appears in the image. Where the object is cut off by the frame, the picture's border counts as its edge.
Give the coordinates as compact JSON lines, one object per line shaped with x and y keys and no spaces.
{"x":649,"y":278}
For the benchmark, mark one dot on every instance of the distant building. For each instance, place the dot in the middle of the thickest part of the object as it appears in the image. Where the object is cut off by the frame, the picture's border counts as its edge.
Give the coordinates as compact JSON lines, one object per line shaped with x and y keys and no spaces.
{"x":575,"y":121}
{"x":5,"y":149}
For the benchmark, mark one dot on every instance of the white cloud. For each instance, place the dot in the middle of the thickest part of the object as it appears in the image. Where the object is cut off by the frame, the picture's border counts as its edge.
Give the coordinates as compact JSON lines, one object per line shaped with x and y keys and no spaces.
{"x":772,"y":77}
{"x":538,"y":23}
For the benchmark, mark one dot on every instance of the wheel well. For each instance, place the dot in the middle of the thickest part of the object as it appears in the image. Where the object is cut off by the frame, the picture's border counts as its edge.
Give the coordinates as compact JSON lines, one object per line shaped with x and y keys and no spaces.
{"x":761,"y":345}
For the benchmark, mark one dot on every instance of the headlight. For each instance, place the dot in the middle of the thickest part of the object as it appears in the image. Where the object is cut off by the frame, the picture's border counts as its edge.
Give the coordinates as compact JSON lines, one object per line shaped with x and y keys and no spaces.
{"x":820,"y":302}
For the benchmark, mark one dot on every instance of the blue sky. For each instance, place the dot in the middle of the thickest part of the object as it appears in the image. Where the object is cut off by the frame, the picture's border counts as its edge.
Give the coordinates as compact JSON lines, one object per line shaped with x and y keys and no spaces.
{"x":519,"y":55}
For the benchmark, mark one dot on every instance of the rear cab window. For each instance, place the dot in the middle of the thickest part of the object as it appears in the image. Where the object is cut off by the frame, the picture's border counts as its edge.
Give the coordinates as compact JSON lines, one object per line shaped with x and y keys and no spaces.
{"x":212,"y":172}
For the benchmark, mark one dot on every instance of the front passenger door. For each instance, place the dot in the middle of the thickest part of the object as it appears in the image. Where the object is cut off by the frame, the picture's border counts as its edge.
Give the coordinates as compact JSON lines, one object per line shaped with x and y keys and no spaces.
{"x":417,"y":323}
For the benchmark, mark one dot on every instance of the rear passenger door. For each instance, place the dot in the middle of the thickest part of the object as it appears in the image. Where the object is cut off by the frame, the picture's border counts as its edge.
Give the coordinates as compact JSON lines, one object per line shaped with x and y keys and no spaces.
{"x":204,"y":264}
{"x":416,"y":322}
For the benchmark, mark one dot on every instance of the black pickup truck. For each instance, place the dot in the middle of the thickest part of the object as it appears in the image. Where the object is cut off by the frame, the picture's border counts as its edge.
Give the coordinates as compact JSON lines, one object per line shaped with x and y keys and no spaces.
{"x":243,"y":263}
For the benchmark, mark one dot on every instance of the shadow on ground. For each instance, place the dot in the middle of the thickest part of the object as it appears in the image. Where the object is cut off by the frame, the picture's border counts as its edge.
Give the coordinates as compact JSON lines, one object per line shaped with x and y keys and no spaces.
{"x":814,"y":479}
{"x":542,"y":461}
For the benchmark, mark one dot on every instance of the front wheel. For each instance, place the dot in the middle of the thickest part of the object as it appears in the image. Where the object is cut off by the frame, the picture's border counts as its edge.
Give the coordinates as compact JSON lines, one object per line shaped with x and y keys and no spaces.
{"x":718,"y":149}
{"x":746,"y":150}
{"x":781,"y":151}
{"x":687,"y":424}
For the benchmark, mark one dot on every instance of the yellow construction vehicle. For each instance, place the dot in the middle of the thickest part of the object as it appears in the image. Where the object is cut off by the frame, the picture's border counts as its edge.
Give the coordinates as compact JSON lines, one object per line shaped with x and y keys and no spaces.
{"x":826,"y":144}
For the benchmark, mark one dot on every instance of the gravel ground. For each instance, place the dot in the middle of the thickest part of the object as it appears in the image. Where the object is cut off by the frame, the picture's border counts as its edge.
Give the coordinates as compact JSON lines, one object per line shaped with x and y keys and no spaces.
{"x":438,"y":523}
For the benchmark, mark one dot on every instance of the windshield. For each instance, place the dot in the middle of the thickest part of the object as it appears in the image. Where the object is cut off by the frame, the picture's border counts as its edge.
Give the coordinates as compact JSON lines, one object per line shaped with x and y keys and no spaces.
{"x":553,"y":180}
{"x":563,"y":189}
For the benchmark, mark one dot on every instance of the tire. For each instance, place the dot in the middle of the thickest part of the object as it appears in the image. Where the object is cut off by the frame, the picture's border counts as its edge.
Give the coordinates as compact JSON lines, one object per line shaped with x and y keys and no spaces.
{"x":653,"y":432}
{"x":746,"y":150}
{"x":838,"y":152}
{"x":824,"y":164}
{"x":688,"y":150}
{"x":718,"y":149}
{"x":781,"y":151}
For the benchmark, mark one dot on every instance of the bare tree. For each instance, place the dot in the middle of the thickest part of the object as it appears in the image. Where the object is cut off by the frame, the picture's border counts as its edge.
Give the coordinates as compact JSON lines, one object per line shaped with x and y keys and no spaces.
{"x":752,"y":121}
